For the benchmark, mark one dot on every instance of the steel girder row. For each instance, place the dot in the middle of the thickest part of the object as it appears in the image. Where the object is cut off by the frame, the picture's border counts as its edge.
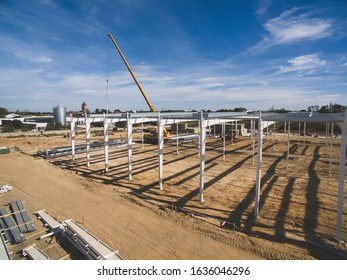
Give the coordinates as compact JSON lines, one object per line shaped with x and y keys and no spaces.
{"x":208,"y":119}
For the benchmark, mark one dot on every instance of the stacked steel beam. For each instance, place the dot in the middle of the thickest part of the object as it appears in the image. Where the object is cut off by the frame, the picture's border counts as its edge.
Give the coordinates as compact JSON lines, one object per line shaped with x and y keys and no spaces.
{"x":88,"y":244}
{"x":34,"y":253}
{"x":67,"y":150}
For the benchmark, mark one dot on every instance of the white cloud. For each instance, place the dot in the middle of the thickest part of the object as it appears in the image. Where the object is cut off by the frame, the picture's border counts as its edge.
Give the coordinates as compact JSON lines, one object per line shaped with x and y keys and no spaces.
{"x":33,"y":58}
{"x":175,"y":89}
{"x":261,"y":11}
{"x":291,"y":27}
{"x":309,"y":62}
{"x":342,"y":60}
{"x":214,"y":85}
{"x":43,"y":59}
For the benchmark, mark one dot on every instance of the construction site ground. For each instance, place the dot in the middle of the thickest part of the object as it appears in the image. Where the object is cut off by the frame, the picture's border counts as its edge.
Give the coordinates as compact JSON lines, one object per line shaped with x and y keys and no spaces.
{"x":298,"y":206}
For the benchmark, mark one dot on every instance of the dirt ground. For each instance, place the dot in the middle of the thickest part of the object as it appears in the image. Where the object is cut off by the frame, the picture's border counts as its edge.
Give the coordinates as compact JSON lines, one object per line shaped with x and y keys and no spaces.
{"x":297,"y":206}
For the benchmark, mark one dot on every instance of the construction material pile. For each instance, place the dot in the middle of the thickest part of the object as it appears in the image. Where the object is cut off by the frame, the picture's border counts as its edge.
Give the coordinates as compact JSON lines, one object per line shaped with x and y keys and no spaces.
{"x":67,"y":150}
{"x":91,"y":247}
{"x":5,"y":189}
{"x":15,"y":223}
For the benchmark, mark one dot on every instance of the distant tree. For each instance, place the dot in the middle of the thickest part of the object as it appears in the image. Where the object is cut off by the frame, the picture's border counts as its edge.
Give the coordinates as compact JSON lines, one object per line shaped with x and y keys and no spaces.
{"x":17,"y":124}
{"x":282,"y":110}
{"x":240,"y":109}
{"x":101,"y":111}
{"x":337,"y":108}
{"x":3,"y":112}
{"x":313,"y":108}
{"x":324,"y":109}
{"x":332,"y":108}
{"x":105,"y":111}
{"x":8,"y":128}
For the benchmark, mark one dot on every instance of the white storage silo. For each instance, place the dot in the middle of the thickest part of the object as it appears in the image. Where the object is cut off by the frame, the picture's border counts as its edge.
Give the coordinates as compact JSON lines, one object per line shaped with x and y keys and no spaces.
{"x":59,"y":115}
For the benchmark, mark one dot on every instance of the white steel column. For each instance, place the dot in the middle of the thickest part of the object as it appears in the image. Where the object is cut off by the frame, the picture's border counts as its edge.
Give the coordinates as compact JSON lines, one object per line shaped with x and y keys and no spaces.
{"x":273,"y":136}
{"x":223,"y":132}
{"x":304,"y":132}
{"x":259,"y":160}
{"x":202,"y":156}
{"x":160,"y":150}
{"x":130,"y":147}
{"x":331,"y":147}
{"x":199,"y":129}
{"x":177,"y":152}
{"x":327,"y":129}
{"x":88,"y":140}
{"x":288,"y":144}
{"x":237,"y":134}
{"x":252,"y":136}
{"x":341,"y":178}
{"x":142,"y":135}
{"x":73,"y":135}
{"x":285,"y":131}
{"x":232,"y":132}
{"x":299,"y":135}
{"x":106,"y":143}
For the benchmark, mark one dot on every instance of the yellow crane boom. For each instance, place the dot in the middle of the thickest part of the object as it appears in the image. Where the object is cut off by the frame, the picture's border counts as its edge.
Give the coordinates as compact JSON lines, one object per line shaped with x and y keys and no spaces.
{"x":166,"y":133}
{"x":132,"y":73}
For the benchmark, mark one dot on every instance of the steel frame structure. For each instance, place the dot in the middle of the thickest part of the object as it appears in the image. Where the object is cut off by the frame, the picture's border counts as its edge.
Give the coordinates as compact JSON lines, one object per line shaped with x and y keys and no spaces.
{"x":206,"y":120}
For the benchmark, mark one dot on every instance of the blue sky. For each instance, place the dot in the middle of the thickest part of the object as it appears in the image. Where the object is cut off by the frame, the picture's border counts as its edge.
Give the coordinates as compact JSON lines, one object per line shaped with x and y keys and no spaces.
{"x":197,"y":54}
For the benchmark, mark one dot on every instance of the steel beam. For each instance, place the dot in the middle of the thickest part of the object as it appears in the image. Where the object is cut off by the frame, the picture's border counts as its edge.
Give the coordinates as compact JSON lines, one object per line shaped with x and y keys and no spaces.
{"x":87,"y":140}
{"x":161,"y":150}
{"x":177,"y":152}
{"x":288,"y":144}
{"x":331,"y":147}
{"x":223,"y":132}
{"x":50,"y":222}
{"x":304,"y":132}
{"x":130,"y":149}
{"x":34,"y":253}
{"x":259,"y":161}
{"x":202,"y":155}
{"x":142,"y":136}
{"x":253,"y":138}
{"x":342,"y":168}
{"x":106,"y":144}
{"x":73,"y":135}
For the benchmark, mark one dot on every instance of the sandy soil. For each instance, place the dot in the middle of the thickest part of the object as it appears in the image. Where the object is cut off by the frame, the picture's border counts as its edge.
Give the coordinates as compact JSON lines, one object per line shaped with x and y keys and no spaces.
{"x":297,"y":208}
